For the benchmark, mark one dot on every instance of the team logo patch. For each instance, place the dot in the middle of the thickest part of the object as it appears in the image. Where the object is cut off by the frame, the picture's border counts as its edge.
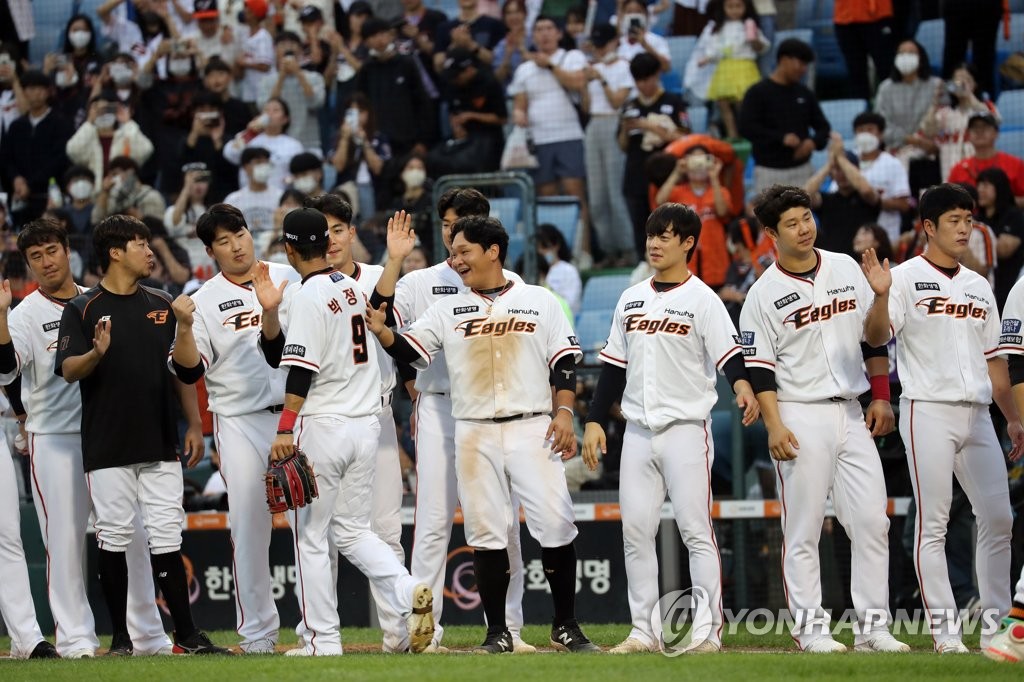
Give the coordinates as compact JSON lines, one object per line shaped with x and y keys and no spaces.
{"x":481,"y":326}
{"x":337,"y":276}
{"x":1011,"y":326}
{"x":926,"y":286}
{"x":786,"y":300}
{"x":50,"y":326}
{"x":804,"y":316}
{"x":745,"y":338}
{"x":228,"y":305}
{"x":294,"y":349}
{"x":574,"y":341}
{"x":1011,"y":340}
{"x":445,"y":291}
{"x":242,"y":320}
{"x":634,"y":304}
{"x":639,"y":324}
{"x":523,"y":311}
{"x":158,"y":316}
{"x":463,"y":310}
{"x":940,"y":305}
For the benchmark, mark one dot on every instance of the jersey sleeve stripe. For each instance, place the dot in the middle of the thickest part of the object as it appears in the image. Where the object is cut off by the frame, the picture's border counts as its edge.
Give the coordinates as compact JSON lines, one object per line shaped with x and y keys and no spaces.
{"x":398,"y":316}
{"x":731,"y":352}
{"x":558,"y":356}
{"x":992,"y":350}
{"x":419,"y":346}
{"x":1011,"y":349}
{"x":755,"y":361}
{"x":287,"y":360}
{"x":611,"y":360}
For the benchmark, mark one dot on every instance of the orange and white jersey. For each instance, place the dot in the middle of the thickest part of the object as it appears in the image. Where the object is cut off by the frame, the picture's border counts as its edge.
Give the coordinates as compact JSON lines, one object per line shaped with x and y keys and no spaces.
{"x":368,"y":276}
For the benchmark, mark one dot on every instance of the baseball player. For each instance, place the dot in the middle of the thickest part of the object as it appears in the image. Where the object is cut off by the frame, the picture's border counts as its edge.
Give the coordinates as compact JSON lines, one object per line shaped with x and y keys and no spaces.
{"x":334,"y":384}
{"x":16,"y":607}
{"x":802,"y":325}
{"x":944,"y":410}
{"x":386,"y":510}
{"x":506,"y":344}
{"x":114,"y":341}
{"x":217,"y":330}
{"x":1008,"y":645}
{"x":435,"y":429}
{"x":28,"y":343}
{"x":669,"y":336}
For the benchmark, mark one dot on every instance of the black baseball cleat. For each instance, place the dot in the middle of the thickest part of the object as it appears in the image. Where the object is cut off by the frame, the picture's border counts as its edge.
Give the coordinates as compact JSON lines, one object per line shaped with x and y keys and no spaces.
{"x":569,"y":637}
{"x":496,"y":643}
{"x":121,"y":645}
{"x":199,"y":644}
{"x":44,"y":650}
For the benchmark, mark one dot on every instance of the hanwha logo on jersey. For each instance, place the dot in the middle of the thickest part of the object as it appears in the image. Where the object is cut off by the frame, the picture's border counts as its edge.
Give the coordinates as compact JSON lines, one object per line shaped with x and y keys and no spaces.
{"x":940,"y":305}
{"x":481,"y":326}
{"x":808,"y":314}
{"x":638,"y":324}
{"x":158,"y":316}
{"x":243,"y":320}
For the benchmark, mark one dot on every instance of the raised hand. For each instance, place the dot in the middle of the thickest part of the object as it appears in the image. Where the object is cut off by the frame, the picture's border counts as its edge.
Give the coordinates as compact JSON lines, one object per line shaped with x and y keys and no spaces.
{"x":376,"y":318}
{"x":877,"y":274}
{"x":6,"y":297}
{"x":267,"y":294}
{"x":101,"y":337}
{"x":184,"y":308}
{"x":401,"y":238}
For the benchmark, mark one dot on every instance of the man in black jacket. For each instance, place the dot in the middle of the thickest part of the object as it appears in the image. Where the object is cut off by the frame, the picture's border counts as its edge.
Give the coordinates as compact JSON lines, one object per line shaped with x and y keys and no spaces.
{"x":32,"y":150}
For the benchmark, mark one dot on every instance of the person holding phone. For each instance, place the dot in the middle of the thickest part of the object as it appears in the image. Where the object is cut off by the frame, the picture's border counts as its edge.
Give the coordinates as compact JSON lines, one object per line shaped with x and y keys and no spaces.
{"x":181,"y":217}
{"x":108,"y":131}
{"x":634,"y":27}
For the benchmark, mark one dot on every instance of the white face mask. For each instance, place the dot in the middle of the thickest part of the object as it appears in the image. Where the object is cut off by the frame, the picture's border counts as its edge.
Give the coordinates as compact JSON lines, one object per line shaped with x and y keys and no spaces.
{"x":121,"y":74}
{"x":305,"y":183}
{"x":610,"y":57}
{"x":80,"y":189}
{"x":79,"y":39}
{"x":105,"y":121}
{"x":907,"y":63}
{"x":414,"y":177}
{"x":179,"y":67}
{"x":63,"y":80}
{"x":261,"y":172}
{"x":387,"y":51}
{"x":865,"y":143}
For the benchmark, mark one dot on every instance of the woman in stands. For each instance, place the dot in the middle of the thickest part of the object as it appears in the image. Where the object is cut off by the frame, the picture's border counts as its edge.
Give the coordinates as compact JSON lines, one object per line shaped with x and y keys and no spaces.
{"x":563,"y":278}
{"x":904,"y":99}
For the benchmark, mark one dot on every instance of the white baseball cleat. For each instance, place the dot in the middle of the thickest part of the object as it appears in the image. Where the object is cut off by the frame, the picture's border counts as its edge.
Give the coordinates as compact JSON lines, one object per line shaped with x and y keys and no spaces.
{"x":521,"y":647}
{"x":1008,"y":645}
{"x":825,"y":645}
{"x":952,"y":646}
{"x":260,"y":646}
{"x":631,"y":645}
{"x":706,"y":647}
{"x":80,"y":653}
{"x":421,"y":620}
{"x":165,"y":650}
{"x":299,"y":651}
{"x":883,"y":642}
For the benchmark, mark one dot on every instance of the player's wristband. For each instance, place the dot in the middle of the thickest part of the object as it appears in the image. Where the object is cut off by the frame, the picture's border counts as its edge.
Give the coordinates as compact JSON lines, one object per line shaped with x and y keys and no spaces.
{"x":879,"y":387}
{"x":286,"y":424}
{"x":567,"y":409}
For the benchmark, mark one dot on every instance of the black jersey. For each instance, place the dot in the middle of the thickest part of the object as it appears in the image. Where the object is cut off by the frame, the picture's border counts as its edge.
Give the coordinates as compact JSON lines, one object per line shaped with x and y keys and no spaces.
{"x":128,"y":402}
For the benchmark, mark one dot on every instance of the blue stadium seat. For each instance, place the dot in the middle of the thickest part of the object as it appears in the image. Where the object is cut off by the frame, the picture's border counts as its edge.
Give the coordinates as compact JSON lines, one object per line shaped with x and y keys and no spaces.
{"x":1016,"y":6}
{"x":679,"y":50}
{"x":602,"y":292}
{"x":1011,"y":142}
{"x":516,"y":249}
{"x":698,"y":118}
{"x":932,"y":35}
{"x":841,"y":112}
{"x":592,"y":328}
{"x":1011,"y":107}
{"x":506,"y":209}
{"x":672,"y":82}
{"x":563,"y":213}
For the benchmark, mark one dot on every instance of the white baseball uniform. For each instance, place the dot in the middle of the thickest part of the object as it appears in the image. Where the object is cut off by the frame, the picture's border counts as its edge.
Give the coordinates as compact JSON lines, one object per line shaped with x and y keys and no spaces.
{"x":670,"y":343}
{"x":435,"y":454}
{"x":500,"y":351}
{"x":1011,"y":342}
{"x":60,"y":493}
{"x":245,"y":397}
{"x":808,"y":331}
{"x":947,"y":327}
{"x":339,"y":430}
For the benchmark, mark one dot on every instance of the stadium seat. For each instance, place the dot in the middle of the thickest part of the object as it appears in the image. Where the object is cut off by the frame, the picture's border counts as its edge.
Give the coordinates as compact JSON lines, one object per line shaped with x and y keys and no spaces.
{"x":679,"y":50}
{"x":602,"y":292}
{"x":516,"y":249}
{"x":1011,"y":108}
{"x":1011,"y":142}
{"x":672,"y":82}
{"x":592,"y":328}
{"x":563,"y":213}
{"x":841,"y":112}
{"x":698,"y":118}
{"x":506,"y":209}
{"x":932,"y":35}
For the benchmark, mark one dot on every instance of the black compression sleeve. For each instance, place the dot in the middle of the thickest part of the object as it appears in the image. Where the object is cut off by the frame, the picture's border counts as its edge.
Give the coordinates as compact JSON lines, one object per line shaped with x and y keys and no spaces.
{"x":402,"y":350}
{"x":868,"y":351}
{"x":610,"y":386}
{"x":734,"y":369}
{"x":272,"y":349}
{"x":376,"y":299}
{"x":299,"y":380}
{"x":13,"y":391}
{"x":563,"y":374}
{"x":762,"y":380}
{"x":1016,"y":363}
{"x":8,"y":361}
{"x":188,"y":375}
{"x":406,"y":372}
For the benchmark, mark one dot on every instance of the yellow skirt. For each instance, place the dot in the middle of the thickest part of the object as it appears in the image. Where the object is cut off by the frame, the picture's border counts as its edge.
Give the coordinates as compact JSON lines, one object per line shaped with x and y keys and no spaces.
{"x":732,"y":79}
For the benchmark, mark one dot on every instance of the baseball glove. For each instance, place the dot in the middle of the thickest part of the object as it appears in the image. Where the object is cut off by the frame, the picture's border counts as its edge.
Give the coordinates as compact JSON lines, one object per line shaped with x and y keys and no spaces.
{"x":291,"y":483}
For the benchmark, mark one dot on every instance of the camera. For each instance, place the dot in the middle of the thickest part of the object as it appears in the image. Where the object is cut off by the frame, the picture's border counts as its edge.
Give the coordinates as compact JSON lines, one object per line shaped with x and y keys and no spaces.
{"x":203,"y":177}
{"x":210,"y":119}
{"x":289,"y":54}
{"x":636,"y":23}
{"x":954,"y":88}
{"x":699,"y":162}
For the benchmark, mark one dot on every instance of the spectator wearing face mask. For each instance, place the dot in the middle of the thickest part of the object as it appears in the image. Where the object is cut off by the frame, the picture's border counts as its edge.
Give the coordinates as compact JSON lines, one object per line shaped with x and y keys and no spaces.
{"x":108,"y":131}
{"x":562,"y":276}
{"x":180,"y":218}
{"x":637,"y":37}
{"x":257,"y":50}
{"x":842,"y":212}
{"x":211,"y":36}
{"x":904,"y":99}
{"x":267,"y":131}
{"x":205,"y":144}
{"x":302,"y":90}
{"x":885,"y":173}
{"x":217,"y":81}
{"x":80,"y":186}
{"x":413,"y":194}
{"x":307,"y":173}
{"x":78,"y":56}
{"x":119,"y":76}
{"x":259,"y":198}
{"x":123,"y":192}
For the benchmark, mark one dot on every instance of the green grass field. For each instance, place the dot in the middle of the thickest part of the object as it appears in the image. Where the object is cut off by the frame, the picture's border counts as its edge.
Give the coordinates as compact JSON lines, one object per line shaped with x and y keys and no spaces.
{"x":766,"y":657}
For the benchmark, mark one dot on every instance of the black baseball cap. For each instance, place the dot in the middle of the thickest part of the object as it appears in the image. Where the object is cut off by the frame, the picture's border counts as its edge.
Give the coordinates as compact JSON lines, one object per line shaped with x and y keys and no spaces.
{"x":361,"y":7}
{"x":374,"y":25}
{"x":985,"y":117}
{"x":305,"y":226}
{"x":603,"y":34}
{"x":35,"y":78}
{"x":457,"y":60}
{"x":310,"y":13}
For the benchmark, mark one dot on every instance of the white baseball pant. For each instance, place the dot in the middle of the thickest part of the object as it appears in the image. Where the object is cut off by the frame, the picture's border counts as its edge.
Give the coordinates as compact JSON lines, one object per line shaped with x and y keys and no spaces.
{"x":837,"y":455}
{"x":493,"y":460}
{"x":343,"y":454}
{"x":16,"y":607}
{"x":153,"y":491}
{"x":386,"y":521}
{"x":63,"y":507}
{"x":435,"y":509}
{"x":677,"y":461}
{"x":957,"y":439}
{"x":243,"y":443}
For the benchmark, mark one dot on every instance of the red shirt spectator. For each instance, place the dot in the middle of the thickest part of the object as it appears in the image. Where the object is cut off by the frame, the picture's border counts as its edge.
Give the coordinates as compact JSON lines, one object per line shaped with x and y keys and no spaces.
{"x":982,"y":131}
